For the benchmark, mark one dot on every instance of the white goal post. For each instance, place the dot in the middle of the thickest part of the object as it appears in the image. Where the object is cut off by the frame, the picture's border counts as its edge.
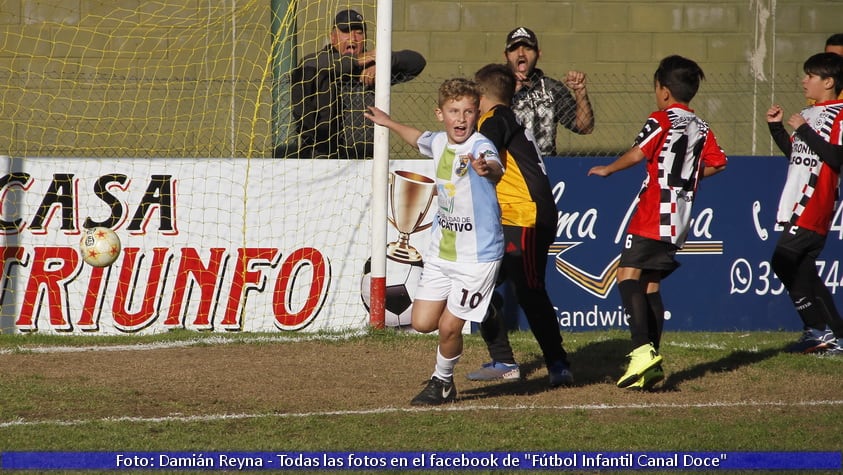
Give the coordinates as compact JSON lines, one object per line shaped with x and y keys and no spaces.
{"x":380,"y":168}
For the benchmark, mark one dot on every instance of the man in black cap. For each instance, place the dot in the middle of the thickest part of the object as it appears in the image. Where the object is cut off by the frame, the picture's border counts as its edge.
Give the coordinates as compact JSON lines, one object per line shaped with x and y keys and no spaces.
{"x":542,"y":102}
{"x":333,"y":87}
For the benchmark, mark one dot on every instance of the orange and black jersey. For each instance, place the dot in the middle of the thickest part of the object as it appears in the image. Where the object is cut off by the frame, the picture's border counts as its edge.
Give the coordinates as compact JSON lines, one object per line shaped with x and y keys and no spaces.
{"x":524,"y":192}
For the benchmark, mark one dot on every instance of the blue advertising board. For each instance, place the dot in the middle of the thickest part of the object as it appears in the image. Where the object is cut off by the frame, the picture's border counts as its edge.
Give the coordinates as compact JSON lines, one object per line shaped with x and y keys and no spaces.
{"x":725,"y":281}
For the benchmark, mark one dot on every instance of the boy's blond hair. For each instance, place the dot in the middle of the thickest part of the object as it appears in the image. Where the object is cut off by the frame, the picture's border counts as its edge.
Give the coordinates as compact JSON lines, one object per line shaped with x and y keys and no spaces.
{"x":456,"y":89}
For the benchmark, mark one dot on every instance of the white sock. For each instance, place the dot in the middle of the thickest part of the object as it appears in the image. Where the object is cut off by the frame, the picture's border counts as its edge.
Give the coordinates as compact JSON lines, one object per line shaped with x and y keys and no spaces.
{"x":445,"y":366}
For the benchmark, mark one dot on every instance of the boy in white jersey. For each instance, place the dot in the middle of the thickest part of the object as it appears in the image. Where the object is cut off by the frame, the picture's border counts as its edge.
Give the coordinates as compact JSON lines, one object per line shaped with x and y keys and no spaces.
{"x":679,"y":149}
{"x":466,"y":245}
{"x":809,"y":198}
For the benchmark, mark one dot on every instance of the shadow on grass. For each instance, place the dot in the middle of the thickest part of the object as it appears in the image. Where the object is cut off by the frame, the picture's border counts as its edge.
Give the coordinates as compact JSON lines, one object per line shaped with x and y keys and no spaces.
{"x":594,"y":363}
{"x":600,"y":362}
{"x":728,"y":363}
{"x":603,"y":362}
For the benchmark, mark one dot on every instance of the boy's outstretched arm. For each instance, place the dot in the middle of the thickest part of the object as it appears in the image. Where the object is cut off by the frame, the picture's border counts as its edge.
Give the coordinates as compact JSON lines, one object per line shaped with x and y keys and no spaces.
{"x":631,"y":158}
{"x":491,"y":170}
{"x":708,"y":171}
{"x":409,"y":134}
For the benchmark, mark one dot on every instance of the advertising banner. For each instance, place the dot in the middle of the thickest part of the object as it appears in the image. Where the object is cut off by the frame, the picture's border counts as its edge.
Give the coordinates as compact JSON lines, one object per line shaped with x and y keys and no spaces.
{"x":283,"y":245}
{"x":207,"y":244}
{"x":725,"y":281}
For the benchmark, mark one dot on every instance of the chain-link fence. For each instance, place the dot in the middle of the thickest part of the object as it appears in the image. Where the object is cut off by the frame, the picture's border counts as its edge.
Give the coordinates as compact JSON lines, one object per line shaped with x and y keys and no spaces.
{"x":110,"y":117}
{"x":734,"y":106}
{"x":180,"y":79}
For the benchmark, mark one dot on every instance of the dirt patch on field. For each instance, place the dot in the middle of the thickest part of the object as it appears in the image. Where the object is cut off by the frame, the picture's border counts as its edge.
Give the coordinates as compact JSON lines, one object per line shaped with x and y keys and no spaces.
{"x":360,"y":374}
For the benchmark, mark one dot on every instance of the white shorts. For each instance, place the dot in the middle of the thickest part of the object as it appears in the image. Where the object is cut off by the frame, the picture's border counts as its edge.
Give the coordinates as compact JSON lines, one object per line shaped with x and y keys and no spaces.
{"x":467,"y":287}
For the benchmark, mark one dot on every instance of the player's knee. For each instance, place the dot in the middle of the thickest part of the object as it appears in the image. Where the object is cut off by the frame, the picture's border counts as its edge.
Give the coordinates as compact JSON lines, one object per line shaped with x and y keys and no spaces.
{"x":424,"y":322}
{"x":784,"y":264}
{"x":422,"y":326}
{"x":450,"y":327}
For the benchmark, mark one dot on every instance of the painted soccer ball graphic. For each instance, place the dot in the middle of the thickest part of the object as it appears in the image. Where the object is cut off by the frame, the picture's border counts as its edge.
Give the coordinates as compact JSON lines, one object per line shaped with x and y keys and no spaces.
{"x":99,"y":246}
{"x":401,"y":282}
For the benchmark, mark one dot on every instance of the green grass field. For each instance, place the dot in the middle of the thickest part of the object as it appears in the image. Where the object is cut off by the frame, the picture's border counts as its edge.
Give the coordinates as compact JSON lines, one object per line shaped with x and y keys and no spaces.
{"x":186,"y":391}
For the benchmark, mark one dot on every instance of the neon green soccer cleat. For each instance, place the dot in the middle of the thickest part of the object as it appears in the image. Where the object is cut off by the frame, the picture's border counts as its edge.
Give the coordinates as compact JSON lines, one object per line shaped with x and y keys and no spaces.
{"x":650,"y":378}
{"x":640,"y":360}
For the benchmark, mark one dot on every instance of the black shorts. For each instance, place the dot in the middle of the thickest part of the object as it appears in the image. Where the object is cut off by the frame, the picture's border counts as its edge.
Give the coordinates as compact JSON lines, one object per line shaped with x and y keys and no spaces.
{"x":525,"y":259}
{"x":801,"y":242}
{"x":649,"y":255}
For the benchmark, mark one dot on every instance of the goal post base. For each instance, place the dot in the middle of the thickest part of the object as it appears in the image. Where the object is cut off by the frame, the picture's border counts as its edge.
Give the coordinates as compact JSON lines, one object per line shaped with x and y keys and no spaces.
{"x":377,"y":310}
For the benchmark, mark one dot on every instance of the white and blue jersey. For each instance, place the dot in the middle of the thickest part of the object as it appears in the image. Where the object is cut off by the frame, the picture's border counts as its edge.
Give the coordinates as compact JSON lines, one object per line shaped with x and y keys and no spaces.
{"x":467,"y":226}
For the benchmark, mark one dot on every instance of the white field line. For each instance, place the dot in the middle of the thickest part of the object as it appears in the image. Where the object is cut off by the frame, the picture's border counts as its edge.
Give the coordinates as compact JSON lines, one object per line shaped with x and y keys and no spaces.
{"x":263,"y":339}
{"x":175,"y":344}
{"x":394,"y":410}
{"x":702,"y":346}
{"x":217,"y":340}
{"x":386,"y":410}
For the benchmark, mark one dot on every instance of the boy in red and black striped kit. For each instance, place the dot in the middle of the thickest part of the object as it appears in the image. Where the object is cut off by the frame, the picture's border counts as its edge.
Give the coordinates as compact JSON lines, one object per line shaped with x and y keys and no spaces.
{"x":679,"y":149}
{"x":808,"y":201}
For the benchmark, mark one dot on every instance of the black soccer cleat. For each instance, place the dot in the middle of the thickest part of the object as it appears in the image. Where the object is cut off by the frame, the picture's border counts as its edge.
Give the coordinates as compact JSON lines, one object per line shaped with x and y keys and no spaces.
{"x":435,"y":393}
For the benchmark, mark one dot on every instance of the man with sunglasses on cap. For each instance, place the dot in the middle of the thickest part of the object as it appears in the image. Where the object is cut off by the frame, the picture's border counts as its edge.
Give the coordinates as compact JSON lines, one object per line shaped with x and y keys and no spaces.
{"x":333,"y":87}
{"x":541,"y":102}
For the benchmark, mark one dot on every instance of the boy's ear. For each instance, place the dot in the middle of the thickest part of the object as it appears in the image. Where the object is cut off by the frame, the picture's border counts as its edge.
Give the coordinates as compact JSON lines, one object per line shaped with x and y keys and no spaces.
{"x":438,"y":113}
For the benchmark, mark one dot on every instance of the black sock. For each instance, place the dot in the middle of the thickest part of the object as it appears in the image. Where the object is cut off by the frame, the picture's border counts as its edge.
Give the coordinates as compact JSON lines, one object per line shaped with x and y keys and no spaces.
{"x":655,"y":318}
{"x":635,"y":305}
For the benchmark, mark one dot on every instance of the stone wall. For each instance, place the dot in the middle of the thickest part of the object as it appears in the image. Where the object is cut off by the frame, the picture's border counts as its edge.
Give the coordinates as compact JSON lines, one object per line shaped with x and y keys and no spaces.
{"x":96,"y":77}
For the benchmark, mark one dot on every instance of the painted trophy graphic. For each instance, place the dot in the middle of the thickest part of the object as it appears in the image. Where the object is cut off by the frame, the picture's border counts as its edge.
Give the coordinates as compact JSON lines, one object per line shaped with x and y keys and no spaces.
{"x":410,"y":196}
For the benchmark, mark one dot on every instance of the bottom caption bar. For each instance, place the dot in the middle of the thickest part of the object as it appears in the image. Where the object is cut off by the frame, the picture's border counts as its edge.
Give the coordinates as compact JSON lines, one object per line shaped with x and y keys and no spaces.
{"x":445,"y":461}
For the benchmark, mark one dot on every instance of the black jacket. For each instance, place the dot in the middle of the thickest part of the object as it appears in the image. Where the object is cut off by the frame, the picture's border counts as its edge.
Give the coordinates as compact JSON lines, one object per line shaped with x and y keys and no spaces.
{"x":328,"y":101}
